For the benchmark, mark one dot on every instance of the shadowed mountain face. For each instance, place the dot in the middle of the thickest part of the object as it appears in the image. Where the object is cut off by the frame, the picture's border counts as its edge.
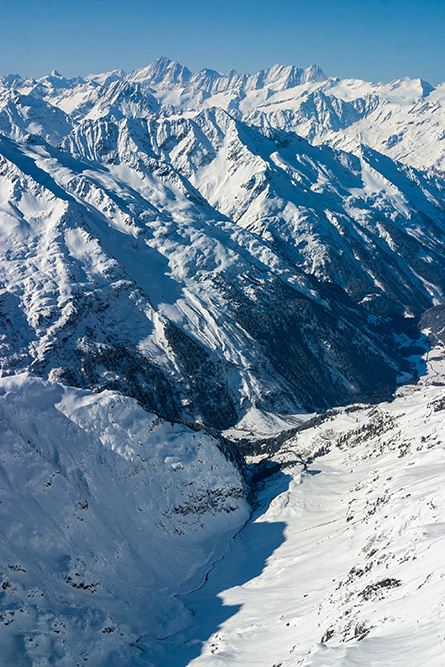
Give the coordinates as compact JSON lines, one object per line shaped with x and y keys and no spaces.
{"x":205,"y":259}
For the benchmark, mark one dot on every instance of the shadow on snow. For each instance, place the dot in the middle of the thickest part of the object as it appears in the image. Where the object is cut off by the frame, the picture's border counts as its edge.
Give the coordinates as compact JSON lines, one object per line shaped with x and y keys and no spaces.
{"x":245,"y":559}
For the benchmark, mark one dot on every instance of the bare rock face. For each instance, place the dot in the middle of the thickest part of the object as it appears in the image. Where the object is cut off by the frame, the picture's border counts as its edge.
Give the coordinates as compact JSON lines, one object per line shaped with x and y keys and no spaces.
{"x":433,"y":323}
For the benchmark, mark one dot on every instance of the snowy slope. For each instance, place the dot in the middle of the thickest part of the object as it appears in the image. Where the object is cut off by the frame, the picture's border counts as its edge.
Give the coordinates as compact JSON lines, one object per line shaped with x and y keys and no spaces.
{"x":342,"y":563}
{"x":117,"y":527}
{"x":230,"y":253}
{"x":106,"y":511}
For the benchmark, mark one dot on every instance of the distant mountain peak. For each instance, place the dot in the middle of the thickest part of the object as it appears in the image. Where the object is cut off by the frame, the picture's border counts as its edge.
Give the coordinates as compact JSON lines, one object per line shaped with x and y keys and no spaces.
{"x":288,"y":76}
{"x":11,"y":79}
{"x":426,"y":87}
{"x":406,"y":80}
{"x":316,"y":73}
{"x":164,"y":73}
{"x":162,"y":60}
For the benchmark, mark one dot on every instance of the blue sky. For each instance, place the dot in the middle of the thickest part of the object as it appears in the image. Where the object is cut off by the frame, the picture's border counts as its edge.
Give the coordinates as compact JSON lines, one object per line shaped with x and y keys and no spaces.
{"x":377,"y":40}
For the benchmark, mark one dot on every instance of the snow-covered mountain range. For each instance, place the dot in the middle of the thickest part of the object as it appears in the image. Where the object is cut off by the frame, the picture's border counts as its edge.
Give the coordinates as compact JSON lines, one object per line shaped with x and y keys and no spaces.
{"x":221,"y":252}
{"x":166,"y":233}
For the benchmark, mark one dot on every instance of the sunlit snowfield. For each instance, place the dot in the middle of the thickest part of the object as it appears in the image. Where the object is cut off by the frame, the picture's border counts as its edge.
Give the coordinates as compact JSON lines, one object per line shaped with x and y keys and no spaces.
{"x":342,"y":563}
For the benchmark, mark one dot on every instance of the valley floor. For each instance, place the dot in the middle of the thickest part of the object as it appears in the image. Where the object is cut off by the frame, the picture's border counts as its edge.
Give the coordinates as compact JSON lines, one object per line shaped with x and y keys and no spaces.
{"x":127,"y":540}
{"x":342,"y":563}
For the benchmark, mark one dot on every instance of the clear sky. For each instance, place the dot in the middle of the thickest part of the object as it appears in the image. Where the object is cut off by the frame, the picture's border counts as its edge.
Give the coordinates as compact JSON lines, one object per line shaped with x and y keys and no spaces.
{"x":377,"y":40}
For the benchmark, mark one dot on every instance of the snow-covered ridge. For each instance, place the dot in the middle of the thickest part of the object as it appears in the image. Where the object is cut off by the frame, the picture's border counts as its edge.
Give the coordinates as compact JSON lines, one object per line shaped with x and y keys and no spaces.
{"x":106,"y":512}
{"x":164,"y":73}
{"x":403,"y":118}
